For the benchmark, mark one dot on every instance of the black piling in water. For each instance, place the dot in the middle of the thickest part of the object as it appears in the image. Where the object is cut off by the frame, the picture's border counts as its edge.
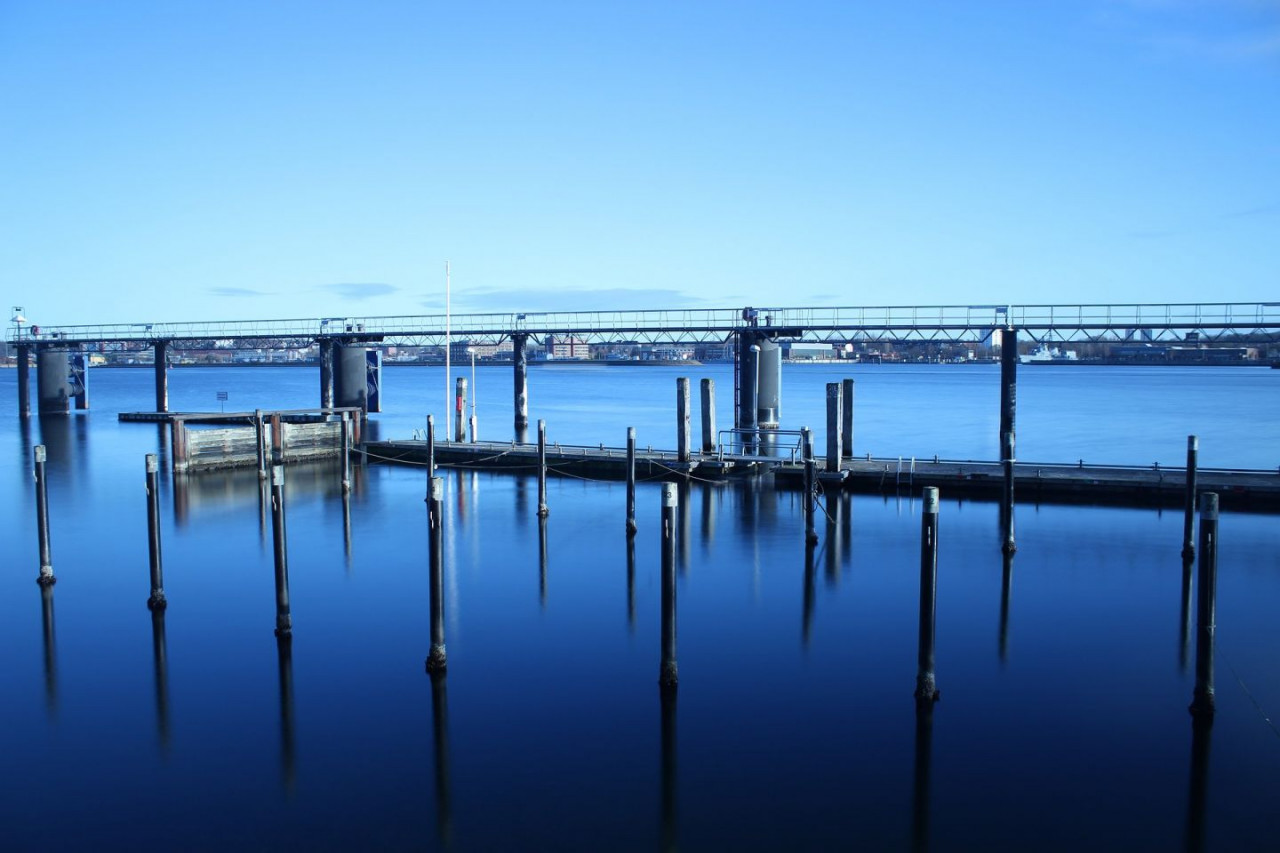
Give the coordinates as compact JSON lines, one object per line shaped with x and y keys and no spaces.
{"x":431,"y":452}
{"x":1008,"y":543}
{"x":926,"y":685}
{"x":631,"y":482}
{"x":284,"y":622}
{"x":543,"y":511}
{"x":46,"y":577}
{"x":346,"y":452}
{"x":157,"y":600}
{"x":436,"y":659}
{"x":24,"y":382}
{"x":326,"y":373}
{"x":810,"y":480}
{"x":846,"y":430}
{"x":1189,"y":510}
{"x":1202,"y":703}
{"x":162,"y":375}
{"x":668,"y":675}
{"x":708,"y":399}
{"x":835,"y":425}
{"x":460,"y":402}
{"x":683,"y":436}
{"x":260,"y":436}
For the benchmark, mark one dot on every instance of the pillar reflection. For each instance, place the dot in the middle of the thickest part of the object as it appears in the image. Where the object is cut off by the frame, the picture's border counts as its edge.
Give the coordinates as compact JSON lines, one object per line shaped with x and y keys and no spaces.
{"x":542,"y":561}
{"x":49,"y":636}
{"x":288,"y":765}
{"x":440,"y":743}
{"x":1006,"y":593}
{"x":1184,"y":623}
{"x":631,"y":583}
{"x":160,"y":659}
{"x":806,"y":619}
{"x":667,"y":700}
{"x":685,"y":491}
{"x":1201,"y":727}
{"x":923,"y":760}
{"x":346,"y":530}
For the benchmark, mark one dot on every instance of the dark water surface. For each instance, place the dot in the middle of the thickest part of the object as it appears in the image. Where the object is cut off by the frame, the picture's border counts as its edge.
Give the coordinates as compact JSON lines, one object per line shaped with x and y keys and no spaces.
{"x":1065,"y":677}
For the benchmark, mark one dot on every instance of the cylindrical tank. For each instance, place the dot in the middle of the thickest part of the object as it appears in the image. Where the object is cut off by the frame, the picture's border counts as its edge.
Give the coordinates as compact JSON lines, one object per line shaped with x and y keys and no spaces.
{"x":350,"y":382}
{"x":53,"y":389}
{"x":769,"y":393}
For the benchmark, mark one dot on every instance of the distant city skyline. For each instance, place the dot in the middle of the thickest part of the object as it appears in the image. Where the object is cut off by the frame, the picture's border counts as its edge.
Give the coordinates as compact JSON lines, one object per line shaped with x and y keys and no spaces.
{"x":228,"y":161}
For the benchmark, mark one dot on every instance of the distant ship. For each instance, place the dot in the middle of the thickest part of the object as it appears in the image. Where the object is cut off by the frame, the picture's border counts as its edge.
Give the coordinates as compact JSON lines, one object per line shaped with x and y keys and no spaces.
{"x":1044,"y":355}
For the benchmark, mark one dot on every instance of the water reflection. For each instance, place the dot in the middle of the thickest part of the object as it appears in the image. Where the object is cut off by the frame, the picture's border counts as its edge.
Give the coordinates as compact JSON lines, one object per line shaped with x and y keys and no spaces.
{"x":684,"y":493}
{"x":346,"y":529}
{"x":1184,"y":626}
{"x":284,"y":657}
{"x":1006,"y":591}
{"x":160,"y":659}
{"x":1201,"y":726}
{"x":197,"y":492}
{"x":923,"y":760}
{"x":522,"y":500}
{"x":708,"y":516}
{"x":542,"y":562}
{"x":66,"y":438}
{"x":806,"y":619}
{"x":667,"y":701}
{"x":833,"y":545}
{"x":440,"y":741}
{"x":50,"y":651}
{"x":631,"y":583}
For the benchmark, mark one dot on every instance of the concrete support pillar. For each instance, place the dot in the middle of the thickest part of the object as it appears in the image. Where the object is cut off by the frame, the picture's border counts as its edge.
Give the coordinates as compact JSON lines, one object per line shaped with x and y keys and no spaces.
{"x":350,"y":377}
{"x":162,"y":375}
{"x":53,"y":391}
{"x":521,"y":361}
{"x":769,"y":388}
{"x":326,"y":372}
{"x":748,"y":378}
{"x":24,"y":382}
{"x":708,"y":416}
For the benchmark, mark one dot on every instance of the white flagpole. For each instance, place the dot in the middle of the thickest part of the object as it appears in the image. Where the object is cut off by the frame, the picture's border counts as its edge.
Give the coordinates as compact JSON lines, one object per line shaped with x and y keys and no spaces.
{"x":448,"y":392}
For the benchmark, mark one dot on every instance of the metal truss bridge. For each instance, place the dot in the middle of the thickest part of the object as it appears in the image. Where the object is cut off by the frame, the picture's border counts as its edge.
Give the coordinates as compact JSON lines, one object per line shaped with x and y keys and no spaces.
{"x":1235,"y":322}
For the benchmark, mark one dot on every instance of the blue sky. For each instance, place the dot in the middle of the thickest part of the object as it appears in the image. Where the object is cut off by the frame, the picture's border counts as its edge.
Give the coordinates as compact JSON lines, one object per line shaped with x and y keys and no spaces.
{"x":234,"y":160}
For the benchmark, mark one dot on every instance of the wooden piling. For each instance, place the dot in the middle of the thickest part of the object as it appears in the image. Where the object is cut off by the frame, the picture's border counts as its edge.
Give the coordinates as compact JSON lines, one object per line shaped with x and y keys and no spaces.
{"x":162,"y":375}
{"x":1193,"y":454}
{"x":668,"y":676}
{"x":436,"y":659}
{"x":835,"y":425}
{"x":683,"y":438}
{"x":708,"y":388}
{"x":460,"y":406}
{"x":1202,"y":702}
{"x":178,"y":442}
{"x":277,"y":439}
{"x":157,"y":600}
{"x":260,"y":436}
{"x":46,"y":577}
{"x":846,"y":416}
{"x":631,"y":482}
{"x":810,"y":480}
{"x":284,"y":622}
{"x":543,"y":511}
{"x":926,"y":685}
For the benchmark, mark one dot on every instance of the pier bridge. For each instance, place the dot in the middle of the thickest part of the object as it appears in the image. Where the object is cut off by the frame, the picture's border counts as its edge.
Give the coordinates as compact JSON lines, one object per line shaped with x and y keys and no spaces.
{"x":349,"y":364}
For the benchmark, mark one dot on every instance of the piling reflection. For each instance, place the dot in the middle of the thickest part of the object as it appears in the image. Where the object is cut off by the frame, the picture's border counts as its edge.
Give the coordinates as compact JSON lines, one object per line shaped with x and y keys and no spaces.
{"x":631,"y":583}
{"x":709,"y":495}
{"x":542,"y":561}
{"x":923,"y":760}
{"x":346,"y":529}
{"x":685,"y":490}
{"x":667,"y":701}
{"x":288,"y":766}
{"x":1184,"y":622}
{"x":65,"y":438}
{"x":195,"y":492}
{"x":49,"y":637}
{"x":440,"y":742}
{"x":522,"y":500}
{"x":1006,"y":593}
{"x":806,"y":617}
{"x":833,"y":546}
{"x":160,"y":659}
{"x":1197,"y":796}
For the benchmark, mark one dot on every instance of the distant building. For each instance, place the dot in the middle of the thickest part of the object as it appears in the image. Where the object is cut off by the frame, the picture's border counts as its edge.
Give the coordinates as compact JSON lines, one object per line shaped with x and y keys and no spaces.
{"x":801,"y":351}
{"x":567,"y":347}
{"x":461,"y":350}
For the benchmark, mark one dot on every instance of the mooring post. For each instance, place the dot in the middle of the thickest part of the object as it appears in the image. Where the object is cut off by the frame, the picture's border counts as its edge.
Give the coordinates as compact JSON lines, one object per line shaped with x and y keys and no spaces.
{"x":178,"y":442}
{"x":431,"y":451}
{"x":631,"y":482}
{"x":460,"y":406}
{"x":520,"y":359}
{"x":810,"y":480}
{"x":708,"y":388}
{"x":346,"y":452}
{"x":162,"y":375}
{"x":157,"y":599}
{"x":24,"y":382}
{"x":46,"y":577}
{"x":543,"y":511}
{"x":1206,"y":605}
{"x":835,"y":425}
{"x":277,"y":439}
{"x":260,"y":435}
{"x":284,"y":623}
{"x":683,"y":438}
{"x":326,"y":372}
{"x":1006,"y":505}
{"x":1193,"y":454}
{"x":846,"y":416}
{"x":668,"y":676}
{"x":436,"y":660}
{"x":926,"y":686}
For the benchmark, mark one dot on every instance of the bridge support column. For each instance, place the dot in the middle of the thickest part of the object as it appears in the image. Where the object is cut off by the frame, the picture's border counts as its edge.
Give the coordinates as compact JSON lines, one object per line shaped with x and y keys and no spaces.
{"x":350,"y":379}
{"x":1008,"y":431}
{"x":24,"y":382}
{"x":520,"y":359}
{"x":326,"y":372}
{"x":53,"y":390}
{"x":748,"y":378}
{"x":162,"y":375}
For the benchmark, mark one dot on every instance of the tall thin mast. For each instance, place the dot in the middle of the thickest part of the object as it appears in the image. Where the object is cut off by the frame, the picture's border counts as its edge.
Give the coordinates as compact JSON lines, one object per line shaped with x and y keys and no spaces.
{"x":448,"y":392}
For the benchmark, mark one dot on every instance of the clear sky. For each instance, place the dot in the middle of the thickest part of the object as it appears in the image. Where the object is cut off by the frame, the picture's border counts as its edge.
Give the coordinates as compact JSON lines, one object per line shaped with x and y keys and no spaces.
{"x":234,"y":160}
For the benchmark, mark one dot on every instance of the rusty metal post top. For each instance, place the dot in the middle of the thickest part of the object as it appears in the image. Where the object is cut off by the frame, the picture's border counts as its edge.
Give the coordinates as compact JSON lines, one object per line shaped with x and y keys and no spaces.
{"x":670,"y":497}
{"x":437,"y":488}
{"x":277,"y":475}
{"x":1209,"y":506}
{"x":153,"y":465}
{"x":931,"y":500}
{"x":41,"y":455}
{"x":1193,"y":442}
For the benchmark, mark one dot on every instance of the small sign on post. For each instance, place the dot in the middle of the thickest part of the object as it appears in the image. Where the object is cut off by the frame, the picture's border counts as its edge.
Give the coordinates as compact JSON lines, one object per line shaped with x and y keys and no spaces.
{"x":222,"y":399}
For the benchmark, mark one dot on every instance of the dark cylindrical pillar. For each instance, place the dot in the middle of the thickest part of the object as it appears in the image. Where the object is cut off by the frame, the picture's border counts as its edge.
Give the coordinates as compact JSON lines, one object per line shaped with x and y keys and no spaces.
{"x":1009,"y":545}
{"x":460,"y":407}
{"x":346,"y":452}
{"x":846,"y":416}
{"x":162,"y":375}
{"x":326,"y":372}
{"x":260,"y":435}
{"x":24,"y":382}
{"x":431,"y":449}
{"x":436,"y":659}
{"x":1193,"y":454}
{"x":1008,"y":384}
{"x":668,"y":675}
{"x":284,"y":623}
{"x":543,"y":511}
{"x":46,"y":577}
{"x":835,"y":425}
{"x":683,"y":436}
{"x":1206,"y":605}
{"x":520,"y":359}
{"x":708,"y":388}
{"x":53,"y":386}
{"x":157,"y":599}
{"x":631,"y":482}
{"x":748,"y":378}
{"x":806,"y":444}
{"x":926,"y":686}
{"x":277,"y":439}
{"x":351,"y":376}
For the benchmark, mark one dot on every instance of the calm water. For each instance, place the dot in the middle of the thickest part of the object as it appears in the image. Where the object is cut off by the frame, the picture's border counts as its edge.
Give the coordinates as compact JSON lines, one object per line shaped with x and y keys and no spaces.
{"x":1063,"y":721}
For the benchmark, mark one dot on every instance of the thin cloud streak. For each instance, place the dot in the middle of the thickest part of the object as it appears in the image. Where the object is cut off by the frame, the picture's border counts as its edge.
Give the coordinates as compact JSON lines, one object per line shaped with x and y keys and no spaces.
{"x":360,"y":290}
{"x":236,"y":291}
